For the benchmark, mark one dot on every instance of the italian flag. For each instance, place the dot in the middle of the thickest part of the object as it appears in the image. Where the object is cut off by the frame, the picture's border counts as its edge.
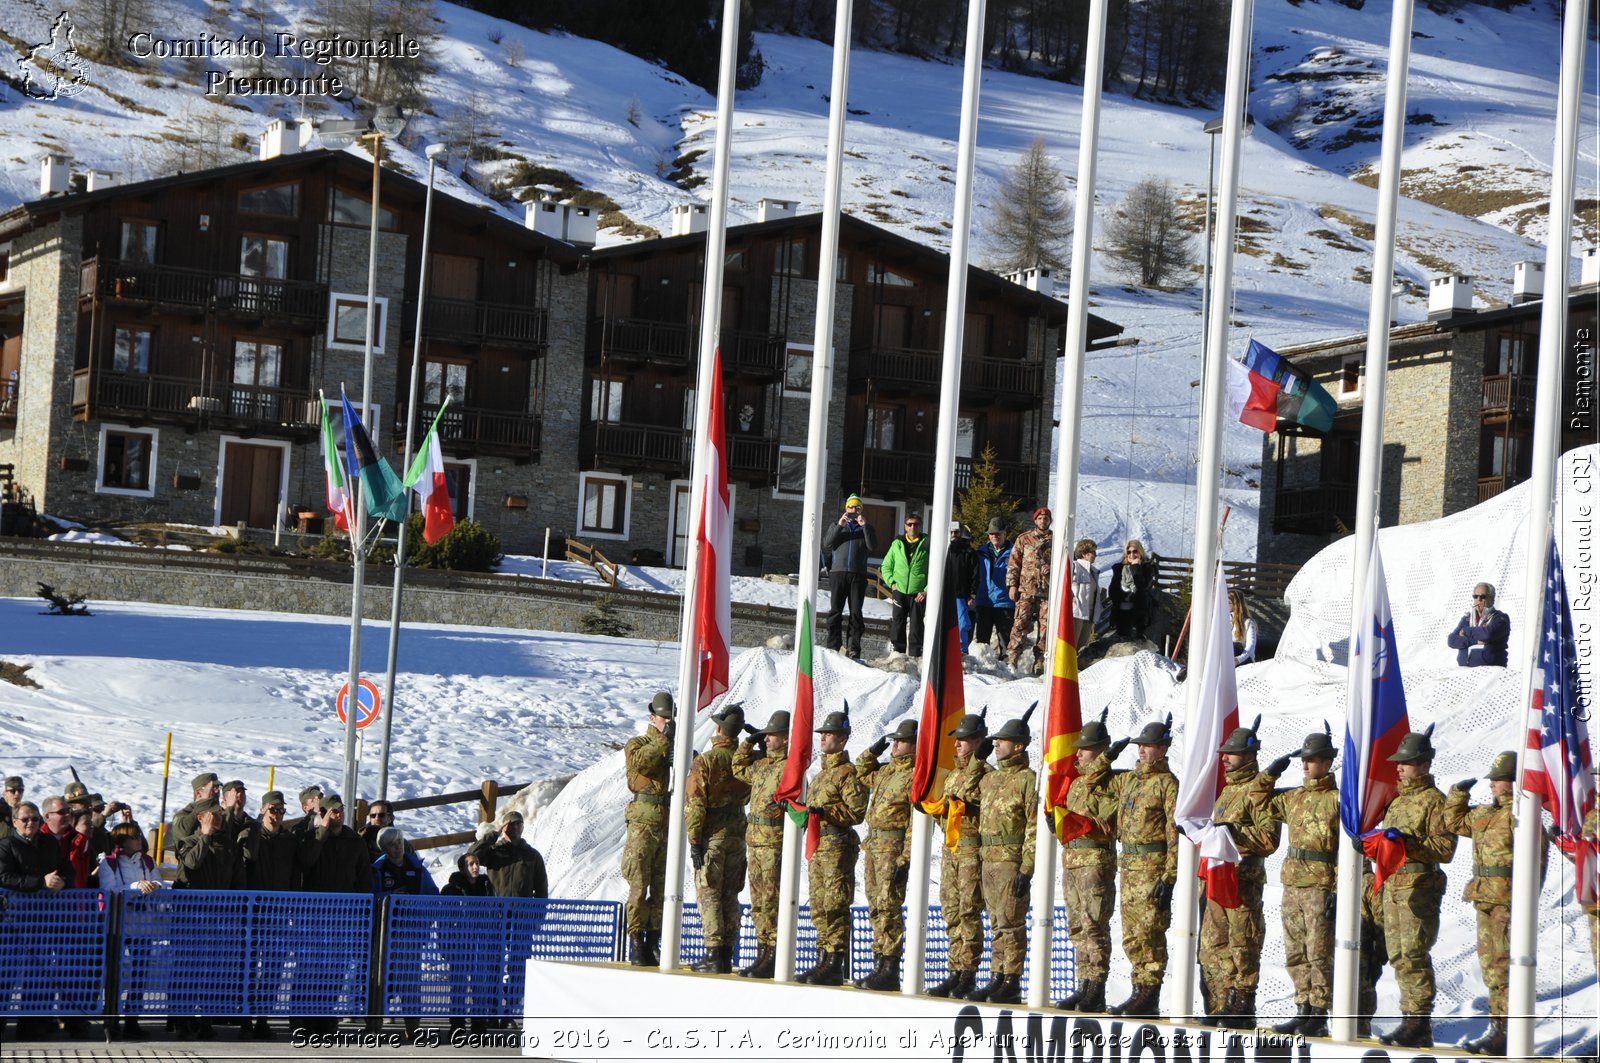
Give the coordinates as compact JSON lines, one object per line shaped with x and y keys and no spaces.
{"x":716,"y":545}
{"x":427,"y":478}
{"x":338,"y":495}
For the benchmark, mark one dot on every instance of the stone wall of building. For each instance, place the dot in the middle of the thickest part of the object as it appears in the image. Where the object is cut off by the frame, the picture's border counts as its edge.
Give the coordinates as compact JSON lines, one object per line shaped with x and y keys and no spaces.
{"x":1424,"y":403}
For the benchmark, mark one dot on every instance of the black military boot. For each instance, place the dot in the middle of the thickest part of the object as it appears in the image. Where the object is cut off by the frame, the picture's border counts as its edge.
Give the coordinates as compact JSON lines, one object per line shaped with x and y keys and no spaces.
{"x":1070,"y":1001}
{"x":1141,"y":1003}
{"x":652,"y":941}
{"x":1242,"y":1009}
{"x":1216,"y":1004}
{"x":711,"y":962}
{"x":948,"y":986}
{"x":1301,"y":1011}
{"x":834,"y":971}
{"x":1009,"y":991}
{"x":877,"y":969}
{"x":982,"y":992}
{"x":1094,"y":996}
{"x":639,"y":950}
{"x":1315,"y":1023}
{"x":729,"y":958}
{"x":969,"y":982}
{"x":1493,"y":1041}
{"x":1414,"y":1031}
{"x":766,"y":961}
{"x":886,"y":978}
{"x":815,"y":969}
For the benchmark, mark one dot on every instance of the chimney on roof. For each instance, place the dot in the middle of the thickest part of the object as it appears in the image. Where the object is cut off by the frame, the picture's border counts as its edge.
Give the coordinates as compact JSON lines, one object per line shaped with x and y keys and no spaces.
{"x":688,"y":218}
{"x":1591,"y":267}
{"x":580,"y":224}
{"x":1039,"y":279}
{"x":101,"y":179}
{"x":279,"y":138}
{"x":562,"y":220}
{"x":55,"y":171}
{"x":1449,"y":296}
{"x":1527,"y":282}
{"x":773,"y":209}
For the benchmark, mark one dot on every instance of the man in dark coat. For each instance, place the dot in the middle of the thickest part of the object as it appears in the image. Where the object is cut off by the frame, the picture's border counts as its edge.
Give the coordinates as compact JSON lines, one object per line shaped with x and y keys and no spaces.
{"x":268,"y":848}
{"x":208,"y":859}
{"x":1483,"y":634}
{"x":848,"y":541}
{"x":206,"y":788}
{"x":514,"y":867}
{"x":30,"y":860}
{"x":334,"y":859}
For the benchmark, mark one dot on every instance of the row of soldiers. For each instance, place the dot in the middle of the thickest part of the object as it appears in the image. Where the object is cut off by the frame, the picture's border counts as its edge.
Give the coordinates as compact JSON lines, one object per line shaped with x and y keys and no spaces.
{"x":1119,"y":834}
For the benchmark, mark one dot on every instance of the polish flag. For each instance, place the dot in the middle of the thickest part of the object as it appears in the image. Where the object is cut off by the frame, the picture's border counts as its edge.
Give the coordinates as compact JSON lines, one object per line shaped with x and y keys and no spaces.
{"x":427,"y":478}
{"x":715,"y":534}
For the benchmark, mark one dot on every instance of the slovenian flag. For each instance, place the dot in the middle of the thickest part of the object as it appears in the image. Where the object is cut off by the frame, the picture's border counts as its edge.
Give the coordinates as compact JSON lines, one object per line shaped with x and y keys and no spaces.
{"x":1216,"y":715}
{"x":1299,"y":398}
{"x":1378,"y":720}
{"x":716,"y":545}
{"x":338,"y":495}
{"x":385,"y":495}
{"x":427,"y":478}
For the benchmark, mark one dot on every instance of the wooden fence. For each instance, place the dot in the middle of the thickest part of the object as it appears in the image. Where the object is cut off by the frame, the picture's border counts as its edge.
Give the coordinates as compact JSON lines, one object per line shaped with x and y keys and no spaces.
{"x":590,"y":555}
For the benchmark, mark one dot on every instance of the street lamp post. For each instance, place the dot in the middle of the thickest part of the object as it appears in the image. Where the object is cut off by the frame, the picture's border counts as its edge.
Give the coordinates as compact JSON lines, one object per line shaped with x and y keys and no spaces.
{"x":436,"y":155}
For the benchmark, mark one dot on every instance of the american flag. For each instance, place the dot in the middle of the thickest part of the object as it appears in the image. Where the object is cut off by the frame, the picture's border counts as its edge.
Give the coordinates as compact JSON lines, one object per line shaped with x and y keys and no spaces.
{"x":1557,"y":757}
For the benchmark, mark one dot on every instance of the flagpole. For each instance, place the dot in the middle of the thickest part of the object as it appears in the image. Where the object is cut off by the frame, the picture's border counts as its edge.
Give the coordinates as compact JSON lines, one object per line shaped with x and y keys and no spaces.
{"x":1347,"y":929}
{"x":1069,"y":441}
{"x":822,"y":364}
{"x":710,"y":336}
{"x":1208,"y":476}
{"x":1525,"y":880}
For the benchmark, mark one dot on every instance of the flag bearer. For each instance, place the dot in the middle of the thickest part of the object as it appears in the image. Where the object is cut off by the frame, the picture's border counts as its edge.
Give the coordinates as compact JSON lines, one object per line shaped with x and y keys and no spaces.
{"x":1148,"y":866}
{"x":960,"y":870}
{"x":648,"y":760}
{"x":837,"y":801}
{"x":715,"y":824}
{"x":1089,"y":864}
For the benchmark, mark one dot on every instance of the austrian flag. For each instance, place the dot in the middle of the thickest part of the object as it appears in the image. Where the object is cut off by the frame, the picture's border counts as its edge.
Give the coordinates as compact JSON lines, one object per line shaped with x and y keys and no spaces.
{"x":716,"y":545}
{"x":428,"y":479}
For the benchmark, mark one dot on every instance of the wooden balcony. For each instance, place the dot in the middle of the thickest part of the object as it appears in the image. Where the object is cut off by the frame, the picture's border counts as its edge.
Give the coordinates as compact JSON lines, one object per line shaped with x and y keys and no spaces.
{"x":895,"y":473}
{"x":895,"y":368}
{"x":468,"y":430}
{"x":1002,"y":378}
{"x":752,"y":459}
{"x":8,"y":401}
{"x":143,"y":397}
{"x":483,"y":324}
{"x":1319,"y":509}
{"x":1508,"y":395}
{"x":198,"y":290}
{"x":1489,"y":486}
{"x":745,"y":352}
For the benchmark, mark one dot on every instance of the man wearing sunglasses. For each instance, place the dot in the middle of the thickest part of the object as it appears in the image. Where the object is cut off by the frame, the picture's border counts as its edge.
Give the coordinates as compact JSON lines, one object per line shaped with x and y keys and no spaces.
{"x":905,"y":573}
{"x":849,"y":541}
{"x":1483,"y":633}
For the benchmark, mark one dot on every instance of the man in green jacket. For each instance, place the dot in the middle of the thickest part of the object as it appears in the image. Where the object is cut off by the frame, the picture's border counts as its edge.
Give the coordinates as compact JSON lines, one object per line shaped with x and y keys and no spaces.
{"x":905,"y":573}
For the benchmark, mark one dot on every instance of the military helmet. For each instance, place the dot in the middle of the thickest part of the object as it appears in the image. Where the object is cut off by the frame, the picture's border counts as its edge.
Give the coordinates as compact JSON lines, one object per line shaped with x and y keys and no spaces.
{"x":836,"y":722}
{"x":906,"y":732}
{"x":778,"y":724}
{"x":1155,"y":733}
{"x":1414,"y":747}
{"x":1242,"y":740}
{"x":1318,"y":746}
{"x":661,"y":705}
{"x":970,"y":726}
{"x":1505,"y":768}
{"x":1094,"y":732}
{"x":1017,"y":730}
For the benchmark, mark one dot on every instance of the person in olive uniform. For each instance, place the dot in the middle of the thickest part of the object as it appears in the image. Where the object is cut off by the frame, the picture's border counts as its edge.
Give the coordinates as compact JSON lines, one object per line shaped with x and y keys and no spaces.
{"x":208,"y":859}
{"x":1009,"y":802}
{"x":960,"y":870}
{"x":1231,"y":938}
{"x":514,"y":868}
{"x":1148,"y":866}
{"x":268,"y":848}
{"x":1309,"y":875}
{"x":1411,"y":895}
{"x":1089,"y":864}
{"x":184,"y":821}
{"x":715,"y":825}
{"x":888,"y":849}
{"x":1491,"y":828}
{"x":836,"y":798}
{"x":759,"y":762}
{"x":333,"y":859}
{"x":648,"y":761}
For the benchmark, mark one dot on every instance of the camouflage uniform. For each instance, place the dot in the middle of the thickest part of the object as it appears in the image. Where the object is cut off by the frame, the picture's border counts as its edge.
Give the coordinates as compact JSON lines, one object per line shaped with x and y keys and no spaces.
{"x":644,"y":856}
{"x":960,"y":871}
{"x":1008,"y":817}
{"x":763,"y":837}
{"x":1374,"y":953}
{"x":1149,"y":838}
{"x":1591,"y":827}
{"x":1230,"y":938}
{"x":1089,"y":870}
{"x":1412,"y":894}
{"x":714,"y":816}
{"x":1028,"y":573}
{"x":888,"y":847}
{"x":1309,"y":875}
{"x":838,"y":799}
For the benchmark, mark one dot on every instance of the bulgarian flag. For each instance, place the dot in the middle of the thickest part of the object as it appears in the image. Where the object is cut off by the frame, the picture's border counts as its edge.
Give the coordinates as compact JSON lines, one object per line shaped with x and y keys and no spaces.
{"x":793,"y":780}
{"x":338,"y":495}
{"x":943,"y":704}
{"x":1063,"y":719}
{"x":713,"y":624}
{"x":427,"y":479}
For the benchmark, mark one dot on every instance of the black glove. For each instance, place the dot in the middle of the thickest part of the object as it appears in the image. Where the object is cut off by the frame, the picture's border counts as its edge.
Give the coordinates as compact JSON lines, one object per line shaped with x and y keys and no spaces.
{"x":1162,"y":895}
{"x":902,"y":875}
{"x":986,"y":749}
{"x":697,"y":855}
{"x":1116,"y":749}
{"x":1330,"y":907}
{"x":1464,"y":785}
{"x":1278,"y":767}
{"x":877,"y":748}
{"x":1020,"y":883}
{"x":1044,"y":814}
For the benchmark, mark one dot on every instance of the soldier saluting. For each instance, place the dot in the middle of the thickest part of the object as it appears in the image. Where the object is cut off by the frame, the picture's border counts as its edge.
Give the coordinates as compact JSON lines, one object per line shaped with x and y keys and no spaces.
{"x":960,"y":870}
{"x":1089,"y":864}
{"x":1009,"y":797}
{"x":839,"y":801}
{"x":888,"y":848}
{"x":715,"y":824}
{"x":759,"y":762}
{"x":1309,"y":874}
{"x":648,"y":760}
{"x":1149,"y":866}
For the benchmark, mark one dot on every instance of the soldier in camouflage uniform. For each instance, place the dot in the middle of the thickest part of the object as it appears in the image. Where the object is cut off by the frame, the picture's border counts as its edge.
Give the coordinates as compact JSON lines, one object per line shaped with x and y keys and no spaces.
{"x":960,"y":871}
{"x":1491,"y":828}
{"x":715,"y":824}
{"x":1374,"y":952}
{"x":759,"y":763}
{"x":1028,"y":583}
{"x":888,"y":849}
{"x":1230,"y":938}
{"x":1008,"y":799}
{"x":1309,"y":875}
{"x":1591,"y":829}
{"x":1148,"y":834}
{"x":648,"y":761}
{"x":1089,"y":865}
{"x":1411,"y":895}
{"x":836,"y":798}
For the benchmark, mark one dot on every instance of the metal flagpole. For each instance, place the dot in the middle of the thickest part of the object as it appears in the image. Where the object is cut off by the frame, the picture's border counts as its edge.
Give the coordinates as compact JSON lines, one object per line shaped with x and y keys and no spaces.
{"x":435,"y":152}
{"x":944,"y":467}
{"x":1208,"y":475}
{"x":1068,"y":444}
{"x":822,"y":363}
{"x":710,"y":336}
{"x":1347,"y":921}
{"x":1525,"y":878}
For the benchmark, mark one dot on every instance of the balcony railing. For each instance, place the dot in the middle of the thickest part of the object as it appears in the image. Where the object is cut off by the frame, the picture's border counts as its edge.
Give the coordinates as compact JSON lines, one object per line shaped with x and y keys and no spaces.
{"x":749,"y":352}
{"x":1489,"y":486}
{"x":1314,"y":510}
{"x":474,"y":428}
{"x":632,"y":445}
{"x":198,"y":289}
{"x":8,"y":401}
{"x":1002,"y":376}
{"x":1510,"y":393}
{"x":751,"y":456}
{"x":895,"y":366}
{"x":484,"y":323}
{"x":893,"y":471}
{"x":752,"y":353}
{"x":185,"y":400}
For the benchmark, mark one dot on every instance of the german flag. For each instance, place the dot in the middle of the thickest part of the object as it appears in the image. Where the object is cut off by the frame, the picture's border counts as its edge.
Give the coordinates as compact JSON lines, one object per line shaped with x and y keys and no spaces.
{"x":1063,"y":717}
{"x":944,"y":702}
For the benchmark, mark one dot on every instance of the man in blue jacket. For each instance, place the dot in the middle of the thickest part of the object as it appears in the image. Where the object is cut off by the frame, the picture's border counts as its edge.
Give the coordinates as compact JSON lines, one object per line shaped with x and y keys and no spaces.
{"x":995,"y":608}
{"x":849,"y":541}
{"x":1483,"y":633}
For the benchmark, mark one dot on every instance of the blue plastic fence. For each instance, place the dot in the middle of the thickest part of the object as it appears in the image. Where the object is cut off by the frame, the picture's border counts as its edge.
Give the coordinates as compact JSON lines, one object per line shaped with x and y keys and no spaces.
{"x":53,"y":952}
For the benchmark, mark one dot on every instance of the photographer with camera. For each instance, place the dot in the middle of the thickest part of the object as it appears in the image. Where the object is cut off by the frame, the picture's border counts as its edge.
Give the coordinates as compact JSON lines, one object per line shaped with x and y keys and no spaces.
{"x":849,"y":541}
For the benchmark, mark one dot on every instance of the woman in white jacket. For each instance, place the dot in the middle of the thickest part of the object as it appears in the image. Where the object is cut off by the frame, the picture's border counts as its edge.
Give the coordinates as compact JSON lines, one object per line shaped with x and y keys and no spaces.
{"x":1085,"y":591}
{"x":128,"y":867}
{"x":1244,"y":629}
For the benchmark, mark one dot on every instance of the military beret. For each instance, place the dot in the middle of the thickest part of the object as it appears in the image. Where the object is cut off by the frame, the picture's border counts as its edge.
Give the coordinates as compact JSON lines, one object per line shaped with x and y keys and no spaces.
{"x":661,"y":705}
{"x":1043,"y":511}
{"x":272,"y":799}
{"x":205,"y":779}
{"x":331,"y":802}
{"x":210,"y":804}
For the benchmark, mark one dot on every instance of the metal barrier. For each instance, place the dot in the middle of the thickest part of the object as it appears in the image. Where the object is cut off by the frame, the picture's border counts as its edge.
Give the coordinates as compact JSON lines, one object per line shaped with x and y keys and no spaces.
{"x":53,"y":952}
